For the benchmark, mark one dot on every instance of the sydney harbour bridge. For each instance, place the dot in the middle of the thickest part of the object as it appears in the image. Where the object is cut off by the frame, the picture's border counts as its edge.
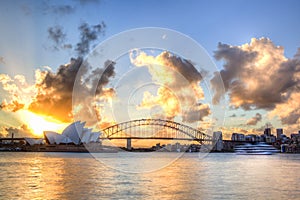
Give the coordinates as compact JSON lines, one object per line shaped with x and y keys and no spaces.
{"x":149,"y":129}
{"x":155,"y":129}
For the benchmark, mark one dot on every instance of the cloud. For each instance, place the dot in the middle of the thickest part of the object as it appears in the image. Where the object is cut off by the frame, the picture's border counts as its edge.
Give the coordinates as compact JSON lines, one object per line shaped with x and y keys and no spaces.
{"x":166,"y":99}
{"x":21,"y":131}
{"x":179,"y":91}
{"x":255,"y":75}
{"x":62,"y":9}
{"x":56,"y":9}
{"x":262,"y":128}
{"x":197,"y":113}
{"x":88,"y":34}
{"x":233,"y":115}
{"x":57,"y":35}
{"x":254,"y":120}
{"x":54,"y":96}
{"x":18,"y":90}
{"x":51,"y":94}
{"x":227,"y":131}
{"x":289,"y":111}
{"x":55,"y":90}
{"x":3,"y":132}
{"x":13,"y":106}
{"x":259,"y":76}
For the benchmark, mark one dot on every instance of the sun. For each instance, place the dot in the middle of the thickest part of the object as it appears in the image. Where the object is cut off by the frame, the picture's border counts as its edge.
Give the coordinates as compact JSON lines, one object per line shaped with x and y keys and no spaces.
{"x":38,"y":124}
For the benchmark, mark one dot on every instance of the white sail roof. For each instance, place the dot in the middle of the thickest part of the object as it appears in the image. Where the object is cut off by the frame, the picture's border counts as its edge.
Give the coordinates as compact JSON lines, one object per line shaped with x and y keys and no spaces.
{"x":32,"y":141}
{"x":74,"y":133}
{"x":94,"y":136}
{"x":50,"y":136}
{"x":86,"y":135}
{"x":62,"y":139}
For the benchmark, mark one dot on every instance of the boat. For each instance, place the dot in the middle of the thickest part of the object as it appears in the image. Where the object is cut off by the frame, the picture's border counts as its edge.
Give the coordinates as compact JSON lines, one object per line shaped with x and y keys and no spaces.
{"x":255,"y":149}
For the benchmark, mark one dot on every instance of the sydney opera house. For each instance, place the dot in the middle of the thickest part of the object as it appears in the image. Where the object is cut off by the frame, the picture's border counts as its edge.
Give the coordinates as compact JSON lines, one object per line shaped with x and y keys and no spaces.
{"x":75,"y":133}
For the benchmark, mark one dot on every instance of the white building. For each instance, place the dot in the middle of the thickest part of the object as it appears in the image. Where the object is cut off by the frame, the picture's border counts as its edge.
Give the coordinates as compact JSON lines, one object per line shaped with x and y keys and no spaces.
{"x":74,"y":133}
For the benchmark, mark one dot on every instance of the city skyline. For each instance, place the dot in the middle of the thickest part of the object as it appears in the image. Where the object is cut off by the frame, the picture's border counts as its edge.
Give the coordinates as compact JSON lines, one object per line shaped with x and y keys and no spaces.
{"x":257,"y":55}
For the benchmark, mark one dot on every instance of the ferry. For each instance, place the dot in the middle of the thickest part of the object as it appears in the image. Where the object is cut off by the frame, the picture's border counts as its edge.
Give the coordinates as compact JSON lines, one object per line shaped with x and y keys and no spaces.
{"x":256,"y":149}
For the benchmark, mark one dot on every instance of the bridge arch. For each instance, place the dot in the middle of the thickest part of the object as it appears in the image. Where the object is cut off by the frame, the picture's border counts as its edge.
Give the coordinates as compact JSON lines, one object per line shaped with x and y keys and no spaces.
{"x":189,"y":132}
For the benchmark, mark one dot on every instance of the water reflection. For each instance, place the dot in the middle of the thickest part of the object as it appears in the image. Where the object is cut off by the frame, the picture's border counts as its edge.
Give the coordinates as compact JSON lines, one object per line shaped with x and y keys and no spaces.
{"x":80,"y":176}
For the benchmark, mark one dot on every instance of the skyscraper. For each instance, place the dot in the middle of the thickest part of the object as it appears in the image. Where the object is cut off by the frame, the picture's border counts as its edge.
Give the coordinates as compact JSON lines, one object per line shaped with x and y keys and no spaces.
{"x":267,"y":131}
{"x":279,"y":132}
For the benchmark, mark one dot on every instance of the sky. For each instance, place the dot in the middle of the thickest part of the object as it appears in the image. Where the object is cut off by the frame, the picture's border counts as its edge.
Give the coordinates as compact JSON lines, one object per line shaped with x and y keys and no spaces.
{"x":253,"y":43}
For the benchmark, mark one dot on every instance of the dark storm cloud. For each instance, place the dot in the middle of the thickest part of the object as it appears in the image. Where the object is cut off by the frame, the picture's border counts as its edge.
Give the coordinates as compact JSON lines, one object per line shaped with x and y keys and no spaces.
{"x":254,"y":120}
{"x":55,"y":92}
{"x":196,"y":114}
{"x":106,"y":73}
{"x":57,"y":35}
{"x":88,"y":34}
{"x":183,"y":66}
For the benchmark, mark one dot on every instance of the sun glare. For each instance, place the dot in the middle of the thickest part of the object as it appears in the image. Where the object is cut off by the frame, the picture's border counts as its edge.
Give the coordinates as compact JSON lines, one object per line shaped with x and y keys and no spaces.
{"x":38,"y":124}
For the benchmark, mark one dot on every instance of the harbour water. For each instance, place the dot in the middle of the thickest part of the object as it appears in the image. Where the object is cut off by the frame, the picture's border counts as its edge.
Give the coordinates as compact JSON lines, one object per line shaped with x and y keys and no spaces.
{"x":40,"y":175}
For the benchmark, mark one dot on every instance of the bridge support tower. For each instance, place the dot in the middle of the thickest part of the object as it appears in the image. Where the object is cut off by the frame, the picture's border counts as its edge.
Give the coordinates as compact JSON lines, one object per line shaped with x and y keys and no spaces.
{"x":128,"y":144}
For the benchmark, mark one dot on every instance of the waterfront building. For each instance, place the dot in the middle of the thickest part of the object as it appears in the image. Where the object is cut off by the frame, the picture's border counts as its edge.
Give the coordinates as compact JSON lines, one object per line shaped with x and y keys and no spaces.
{"x":237,"y":137}
{"x":270,"y":139}
{"x":252,"y":138}
{"x":263,"y":138}
{"x":279,"y":132}
{"x":74,"y":133}
{"x":284,"y":138}
{"x":295,"y":137}
{"x":268,"y":132}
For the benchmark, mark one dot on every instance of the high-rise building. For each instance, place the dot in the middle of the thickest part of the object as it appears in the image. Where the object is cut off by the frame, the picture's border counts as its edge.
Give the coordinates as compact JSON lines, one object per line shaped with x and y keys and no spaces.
{"x":267,"y":132}
{"x":279,"y":132}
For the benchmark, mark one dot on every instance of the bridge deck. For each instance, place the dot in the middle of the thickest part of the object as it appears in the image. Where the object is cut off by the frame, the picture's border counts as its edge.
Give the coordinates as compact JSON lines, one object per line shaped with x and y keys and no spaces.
{"x":156,"y":138}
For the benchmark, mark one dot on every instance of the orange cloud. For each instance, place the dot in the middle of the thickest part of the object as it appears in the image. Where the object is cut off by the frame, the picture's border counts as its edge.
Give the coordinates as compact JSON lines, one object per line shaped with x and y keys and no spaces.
{"x":179,"y":91}
{"x":52,"y":93}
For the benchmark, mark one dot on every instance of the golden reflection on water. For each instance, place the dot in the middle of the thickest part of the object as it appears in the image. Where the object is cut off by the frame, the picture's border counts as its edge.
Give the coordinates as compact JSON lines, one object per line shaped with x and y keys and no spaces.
{"x":80,"y":176}
{"x":41,"y":179}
